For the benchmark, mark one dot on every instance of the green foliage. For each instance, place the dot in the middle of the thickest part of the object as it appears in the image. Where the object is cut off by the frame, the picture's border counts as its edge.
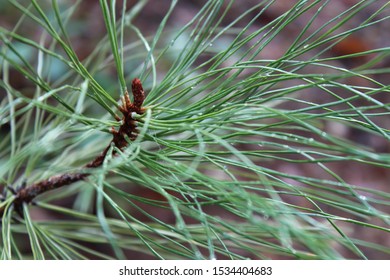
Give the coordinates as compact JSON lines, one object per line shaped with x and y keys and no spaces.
{"x":234,"y":157}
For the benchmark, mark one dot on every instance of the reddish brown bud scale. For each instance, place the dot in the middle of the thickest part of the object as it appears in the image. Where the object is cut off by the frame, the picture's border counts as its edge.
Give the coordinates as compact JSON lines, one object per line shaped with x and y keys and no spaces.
{"x":139,"y":94}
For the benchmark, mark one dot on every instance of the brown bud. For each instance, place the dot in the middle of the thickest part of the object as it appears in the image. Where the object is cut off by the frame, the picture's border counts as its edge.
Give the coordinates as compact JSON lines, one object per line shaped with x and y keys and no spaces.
{"x":139,"y":94}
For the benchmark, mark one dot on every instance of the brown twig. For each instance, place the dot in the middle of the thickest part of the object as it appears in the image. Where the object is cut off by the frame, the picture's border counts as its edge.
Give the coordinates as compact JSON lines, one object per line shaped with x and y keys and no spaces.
{"x":128,"y":129}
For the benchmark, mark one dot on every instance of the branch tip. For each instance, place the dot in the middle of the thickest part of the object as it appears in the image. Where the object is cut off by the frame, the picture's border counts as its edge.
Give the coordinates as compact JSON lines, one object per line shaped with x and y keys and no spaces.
{"x":127,"y":129}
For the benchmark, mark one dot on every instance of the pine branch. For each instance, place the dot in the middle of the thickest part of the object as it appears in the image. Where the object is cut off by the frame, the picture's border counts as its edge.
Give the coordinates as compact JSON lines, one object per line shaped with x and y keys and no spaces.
{"x":128,"y":129}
